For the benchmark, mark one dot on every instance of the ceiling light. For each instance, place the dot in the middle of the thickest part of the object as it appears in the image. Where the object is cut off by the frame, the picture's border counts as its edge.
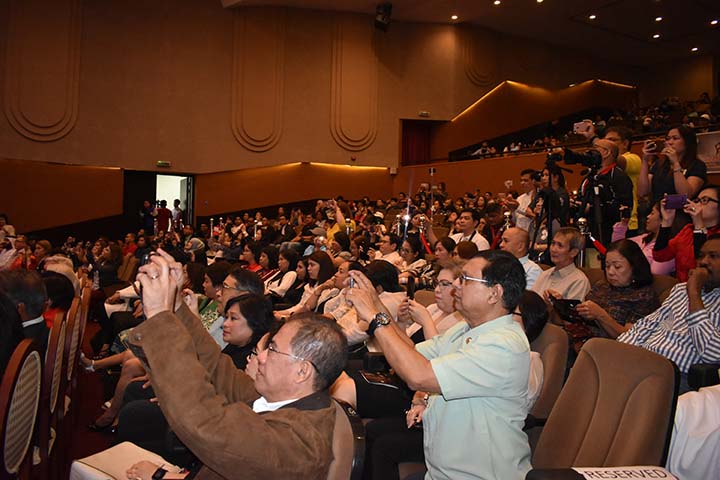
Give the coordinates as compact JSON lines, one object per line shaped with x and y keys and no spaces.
{"x":497,"y":2}
{"x":454,"y":17}
{"x":571,"y":85}
{"x":539,"y":1}
{"x":694,"y":49}
{"x":714,"y":22}
{"x":658,"y":19}
{"x":656,"y":36}
{"x":592,"y":17}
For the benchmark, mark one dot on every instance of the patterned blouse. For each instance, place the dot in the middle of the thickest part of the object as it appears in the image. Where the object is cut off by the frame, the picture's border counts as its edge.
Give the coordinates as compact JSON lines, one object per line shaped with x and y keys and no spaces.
{"x":624,"y":304}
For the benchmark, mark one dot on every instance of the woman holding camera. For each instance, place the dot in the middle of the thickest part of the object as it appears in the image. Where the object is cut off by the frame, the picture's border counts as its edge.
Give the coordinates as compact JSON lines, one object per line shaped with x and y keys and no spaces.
{"x":675,"y":168}
{"x":683,"y":247}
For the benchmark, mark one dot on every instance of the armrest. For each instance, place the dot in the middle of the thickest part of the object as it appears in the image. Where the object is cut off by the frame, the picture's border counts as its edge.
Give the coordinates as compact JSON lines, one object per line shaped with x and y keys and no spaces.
{"x":532,"y":422}
{"x":553,"y":474}
{"x":703,"y":375}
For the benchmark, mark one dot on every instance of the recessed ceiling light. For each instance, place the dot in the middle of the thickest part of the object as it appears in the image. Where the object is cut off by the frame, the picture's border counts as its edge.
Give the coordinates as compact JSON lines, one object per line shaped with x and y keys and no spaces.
{"x":539,"y":1}
{"x":571,"y":85}
{"x":714,"y":22}
{"x":454,"y":17}
{"x":497,"y":2}
{"x":658,"y":19}
{"x":592,"y":17}
{"x":656,"y":36}
{"x":694,"y":49}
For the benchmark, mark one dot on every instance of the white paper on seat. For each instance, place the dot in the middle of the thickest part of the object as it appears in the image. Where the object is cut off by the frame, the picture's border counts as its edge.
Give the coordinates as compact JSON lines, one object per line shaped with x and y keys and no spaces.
{"x":644,"y":472}
{"x":111,"y":464}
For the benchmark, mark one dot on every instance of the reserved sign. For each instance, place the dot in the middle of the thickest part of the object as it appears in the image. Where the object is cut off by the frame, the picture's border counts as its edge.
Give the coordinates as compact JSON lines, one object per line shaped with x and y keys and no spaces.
{"x":625,"y":472}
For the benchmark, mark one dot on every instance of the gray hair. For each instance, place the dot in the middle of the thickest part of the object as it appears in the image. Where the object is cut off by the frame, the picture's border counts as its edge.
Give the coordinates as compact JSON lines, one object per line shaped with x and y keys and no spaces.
{"x":322,"y":343}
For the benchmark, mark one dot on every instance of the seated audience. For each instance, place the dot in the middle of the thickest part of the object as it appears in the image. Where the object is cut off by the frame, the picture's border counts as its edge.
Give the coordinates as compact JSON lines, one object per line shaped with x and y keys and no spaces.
{"x":686,"y":327}
{"x":26,"y":290}
{"x":388,"y":249}
{"x":647,"y":240}
{"x":517,"y":241}
{"x":60,"y":294}
{"x":414,"y":263}
{"x":564,"y":280}
{"x":320,"y":269}
{"x":11,"y":333}
{"x":423,"y":323}
{"x":612,"y":306}
{"x":278,"y":285}
{"x":207,"y":400}
{"x":482,"y":365}
{"x":465,"y":250}
{"x":705,"y":216}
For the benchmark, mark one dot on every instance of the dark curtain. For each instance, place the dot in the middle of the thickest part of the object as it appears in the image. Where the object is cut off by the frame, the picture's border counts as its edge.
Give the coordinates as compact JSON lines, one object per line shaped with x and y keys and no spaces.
{"x":416,"y":142}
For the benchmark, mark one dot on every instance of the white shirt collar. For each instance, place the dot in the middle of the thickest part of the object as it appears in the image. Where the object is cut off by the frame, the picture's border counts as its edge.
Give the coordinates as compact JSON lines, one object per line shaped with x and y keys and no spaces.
{"x":34,"y":321}
{"x":262,"y":405}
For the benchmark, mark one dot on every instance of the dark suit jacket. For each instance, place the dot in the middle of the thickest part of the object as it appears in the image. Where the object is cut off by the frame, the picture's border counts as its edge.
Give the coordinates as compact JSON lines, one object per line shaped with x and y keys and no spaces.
{"x":206,"y":401}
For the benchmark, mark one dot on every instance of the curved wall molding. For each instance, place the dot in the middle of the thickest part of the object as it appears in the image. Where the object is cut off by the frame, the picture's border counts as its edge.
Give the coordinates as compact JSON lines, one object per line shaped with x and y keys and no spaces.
{"x":354,"y":89}
{"x":480,"y":55}
{"x":43,"y":67}
{"x":258,"y":77}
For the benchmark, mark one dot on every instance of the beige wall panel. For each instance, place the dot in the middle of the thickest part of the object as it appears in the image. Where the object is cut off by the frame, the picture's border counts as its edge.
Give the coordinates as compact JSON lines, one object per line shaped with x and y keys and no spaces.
{"x":487,"y":174}
{"x":258,"y":78}
{"x":156,"y":83}
{"x":242,"y":189}
{"x":686,"y":79}
{"x":353,"y":112}
{"x":46,"y":195}
{"x":42,"y":71}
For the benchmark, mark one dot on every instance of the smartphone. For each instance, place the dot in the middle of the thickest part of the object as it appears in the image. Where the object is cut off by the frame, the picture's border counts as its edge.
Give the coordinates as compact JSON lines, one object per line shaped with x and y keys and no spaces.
{"x":652,"y":145}
{"x":411,"y":288}
{"x":565,"y":308}
{"x":675,"y":202}
{"x":581,"y":127}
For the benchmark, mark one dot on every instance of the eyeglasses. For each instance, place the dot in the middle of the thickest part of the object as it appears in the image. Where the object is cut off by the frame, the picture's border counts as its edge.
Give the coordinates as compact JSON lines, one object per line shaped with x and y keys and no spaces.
{"x":272,"y":348}
{"x":706,"y":200}
{"x":464,"y":278}
{"x":443,"y":284}
{"x":225,"y":286}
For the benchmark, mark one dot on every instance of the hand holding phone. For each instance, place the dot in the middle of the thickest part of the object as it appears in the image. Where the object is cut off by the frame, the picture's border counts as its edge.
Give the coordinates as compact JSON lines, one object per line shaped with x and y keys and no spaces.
{"x":675,"y":202}
{"x":411,"y":287}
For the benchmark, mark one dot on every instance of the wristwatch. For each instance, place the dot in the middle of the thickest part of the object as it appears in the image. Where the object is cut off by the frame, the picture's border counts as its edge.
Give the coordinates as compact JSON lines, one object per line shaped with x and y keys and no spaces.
{"x":380,"y":319}
{"x":159,"y":474}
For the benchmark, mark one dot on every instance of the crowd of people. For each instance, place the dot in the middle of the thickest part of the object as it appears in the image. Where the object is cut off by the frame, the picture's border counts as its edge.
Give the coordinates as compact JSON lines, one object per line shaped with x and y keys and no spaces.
{"x":275,"y":316}
{"x":699,"y":114}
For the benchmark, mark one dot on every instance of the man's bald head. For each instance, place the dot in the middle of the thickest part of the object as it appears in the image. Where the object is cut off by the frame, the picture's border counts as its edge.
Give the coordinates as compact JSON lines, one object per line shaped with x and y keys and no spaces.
{"x":516,"y":241}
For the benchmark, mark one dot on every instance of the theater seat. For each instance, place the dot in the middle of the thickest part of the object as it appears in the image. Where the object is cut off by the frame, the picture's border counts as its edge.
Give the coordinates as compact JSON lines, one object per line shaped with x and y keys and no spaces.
{"x":552,"y":345}
{"x":616,"y":409}
{"x":348,"y":444}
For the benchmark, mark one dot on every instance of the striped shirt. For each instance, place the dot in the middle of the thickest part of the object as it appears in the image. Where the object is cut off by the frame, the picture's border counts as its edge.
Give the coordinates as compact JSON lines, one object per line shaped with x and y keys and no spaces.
{"x":683,"y":337}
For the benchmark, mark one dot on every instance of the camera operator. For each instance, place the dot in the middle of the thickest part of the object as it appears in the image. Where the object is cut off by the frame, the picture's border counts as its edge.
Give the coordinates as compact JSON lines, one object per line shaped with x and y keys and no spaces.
{"x":628,"y":161}
{"x":615,"y":188}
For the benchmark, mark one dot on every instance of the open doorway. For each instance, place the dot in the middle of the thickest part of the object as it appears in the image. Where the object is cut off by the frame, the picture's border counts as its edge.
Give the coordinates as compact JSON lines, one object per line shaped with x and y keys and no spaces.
{"x":172,"y":188}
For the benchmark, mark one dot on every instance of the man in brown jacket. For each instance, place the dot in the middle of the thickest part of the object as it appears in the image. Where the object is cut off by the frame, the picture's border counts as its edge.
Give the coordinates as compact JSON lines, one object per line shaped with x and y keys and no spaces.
{"x":281,"y":426}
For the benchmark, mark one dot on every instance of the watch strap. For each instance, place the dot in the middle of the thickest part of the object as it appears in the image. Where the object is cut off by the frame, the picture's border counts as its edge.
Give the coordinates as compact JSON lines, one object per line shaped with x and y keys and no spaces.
{"x":159,"y":474}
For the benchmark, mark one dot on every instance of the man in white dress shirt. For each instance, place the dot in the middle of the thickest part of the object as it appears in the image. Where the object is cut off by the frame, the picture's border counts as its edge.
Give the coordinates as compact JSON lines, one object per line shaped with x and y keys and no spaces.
{"x":516,"y":241}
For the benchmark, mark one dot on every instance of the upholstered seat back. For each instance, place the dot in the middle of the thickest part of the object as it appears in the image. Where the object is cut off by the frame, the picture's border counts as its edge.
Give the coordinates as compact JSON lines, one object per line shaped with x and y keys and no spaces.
{"x":615,"y":409}
{"x":348,"y":444}
{"x":552,"y":345}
